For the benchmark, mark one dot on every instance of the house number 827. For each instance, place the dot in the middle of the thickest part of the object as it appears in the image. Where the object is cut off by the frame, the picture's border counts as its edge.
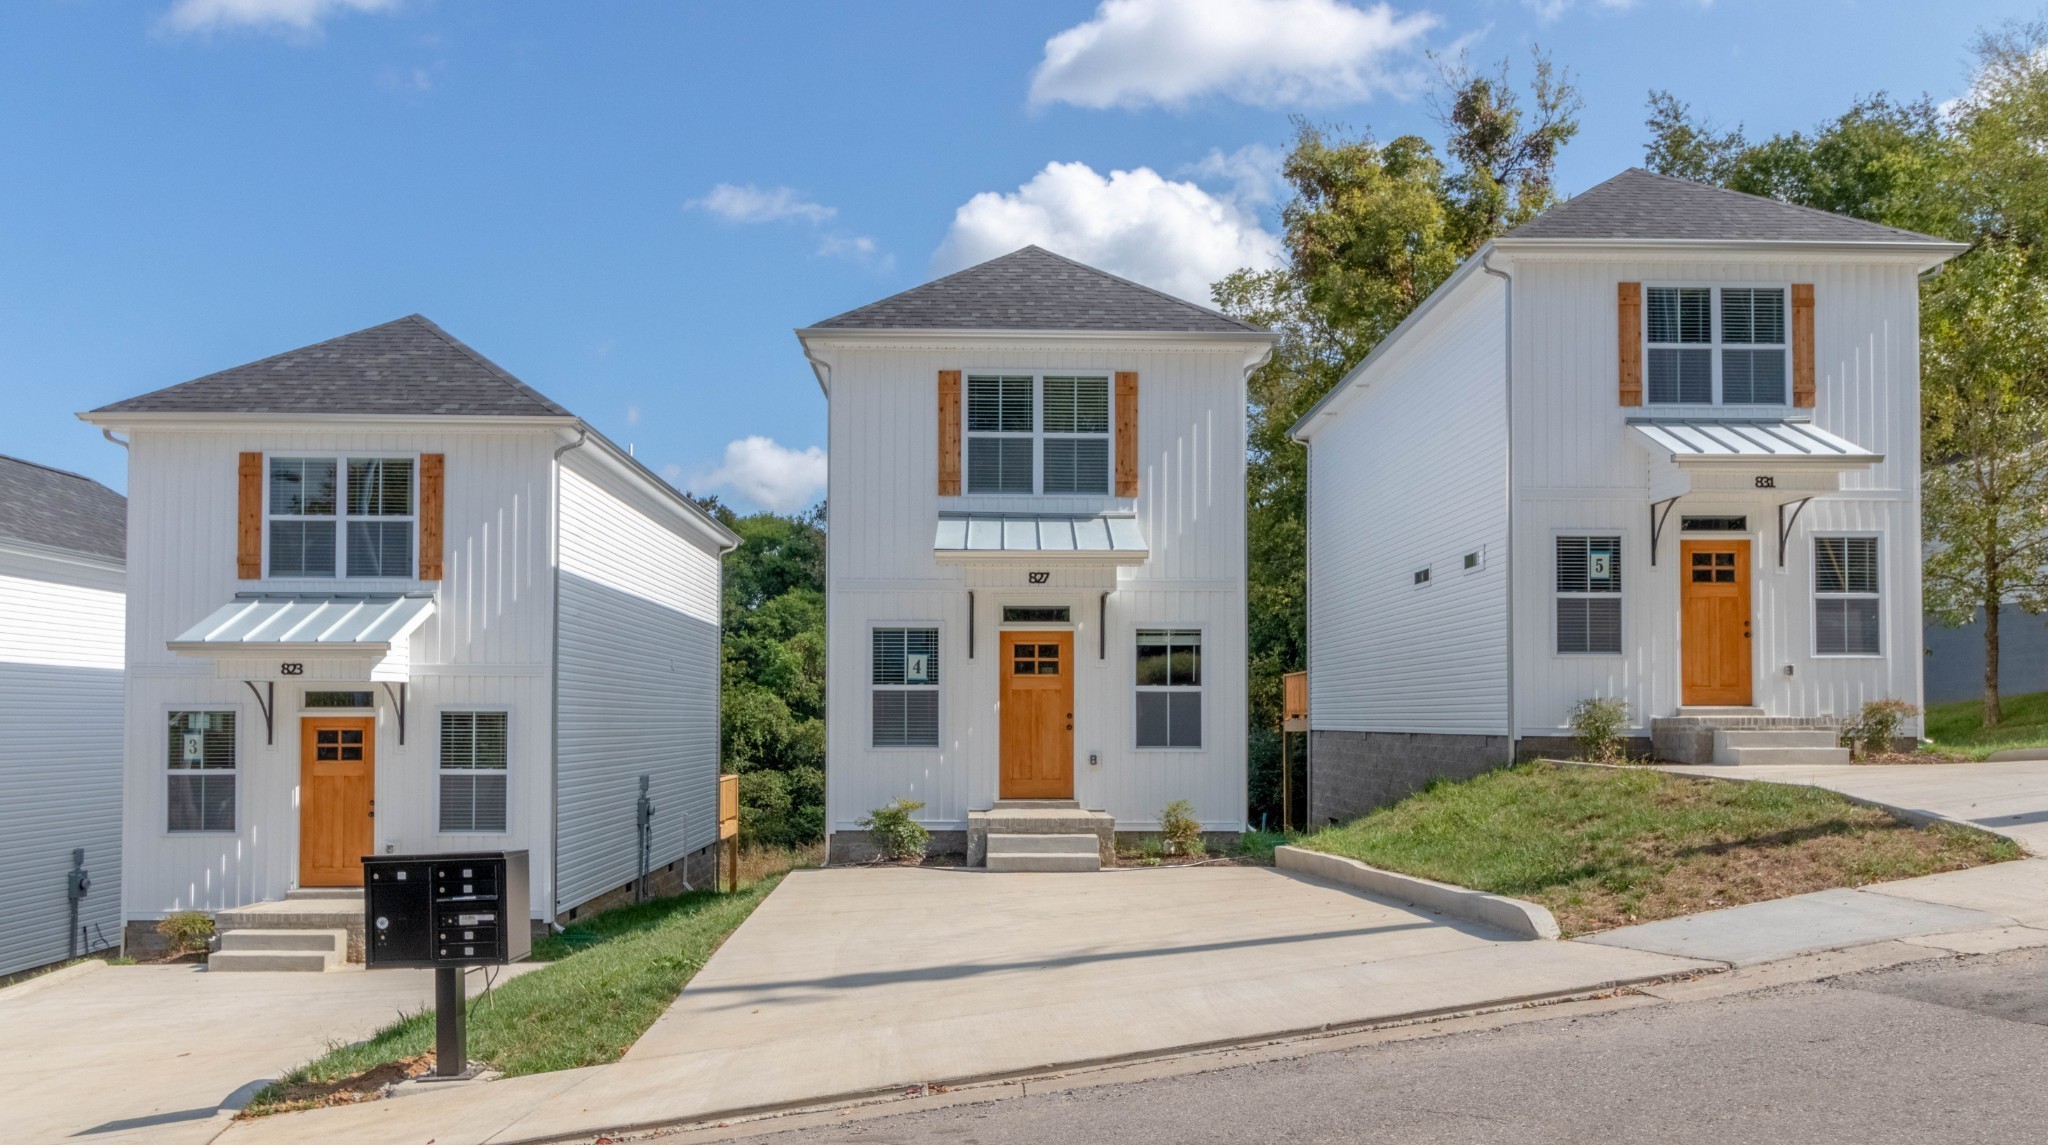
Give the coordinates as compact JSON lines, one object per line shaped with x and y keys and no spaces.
{"x":1039,"y":577}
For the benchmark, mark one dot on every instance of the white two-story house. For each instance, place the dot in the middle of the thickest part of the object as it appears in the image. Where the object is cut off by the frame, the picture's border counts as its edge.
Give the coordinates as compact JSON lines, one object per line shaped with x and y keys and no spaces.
{"x":1659,"y":444}
{"x":1036,"y":573}
{"x":387,"y":598}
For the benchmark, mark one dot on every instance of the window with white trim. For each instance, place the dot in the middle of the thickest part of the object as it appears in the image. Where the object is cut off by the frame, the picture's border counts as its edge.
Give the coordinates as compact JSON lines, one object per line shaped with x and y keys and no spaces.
{"x":332,"y":516}
{"x":200,"y":766}
{"x":475,"y":754}
{"x":1716,"y":345}
{"x":1169,"y":686}
{"x":1031,"y":433}
{"x":1589,"y":595}
{"x":905,"y":687}
{"x":1846,"y":606}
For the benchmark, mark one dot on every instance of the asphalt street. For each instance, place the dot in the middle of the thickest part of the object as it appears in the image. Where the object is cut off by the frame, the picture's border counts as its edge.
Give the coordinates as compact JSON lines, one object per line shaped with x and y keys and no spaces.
{"x":1950,"y":1050}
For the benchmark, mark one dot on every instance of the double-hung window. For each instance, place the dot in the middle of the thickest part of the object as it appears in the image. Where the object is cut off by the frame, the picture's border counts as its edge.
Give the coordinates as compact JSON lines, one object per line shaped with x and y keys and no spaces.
{"x":905,"y":692}
{"x":1589,"y":596}
{"x":1845,"y":596}
{"x":1716,"y":345}
{"x":474,"y":758}
{"x":1169,"y":687}
{"x":200,"y":768}
{"x":1038,"y":433}
{"x":332,"y":516}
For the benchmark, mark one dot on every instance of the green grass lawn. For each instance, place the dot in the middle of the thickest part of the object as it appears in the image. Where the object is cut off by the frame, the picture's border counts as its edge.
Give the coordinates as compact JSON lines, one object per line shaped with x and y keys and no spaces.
{"x":609,"y":977}
{"x":1609,"y":847}
{"x":1959,"y":727}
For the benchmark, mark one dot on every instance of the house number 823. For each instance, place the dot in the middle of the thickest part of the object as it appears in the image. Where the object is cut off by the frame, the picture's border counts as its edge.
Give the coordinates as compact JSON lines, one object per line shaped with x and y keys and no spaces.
{"x":1039,"y":577}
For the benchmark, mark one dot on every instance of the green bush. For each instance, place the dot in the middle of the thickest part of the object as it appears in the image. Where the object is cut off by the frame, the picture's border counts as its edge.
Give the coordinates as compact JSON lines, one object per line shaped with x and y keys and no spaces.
{"x":1179,"y":831}
{"x":1872,"y":733}
{"x":894,"y":832}
{"x":1597,"y":724}
{"x":188,"y":931}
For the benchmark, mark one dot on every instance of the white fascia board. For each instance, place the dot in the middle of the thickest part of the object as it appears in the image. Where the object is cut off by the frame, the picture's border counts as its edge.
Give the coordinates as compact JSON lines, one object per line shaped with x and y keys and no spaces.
{"x":1925,"y":254}
{"x":816,"y":340}
{"x":10,"y":547}
{"x":123,"y":421}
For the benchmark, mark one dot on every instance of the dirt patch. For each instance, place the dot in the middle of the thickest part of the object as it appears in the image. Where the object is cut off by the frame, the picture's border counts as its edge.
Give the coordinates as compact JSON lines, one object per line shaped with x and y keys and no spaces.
{"x":366,"y":1086}
{"x":1896,"y":758}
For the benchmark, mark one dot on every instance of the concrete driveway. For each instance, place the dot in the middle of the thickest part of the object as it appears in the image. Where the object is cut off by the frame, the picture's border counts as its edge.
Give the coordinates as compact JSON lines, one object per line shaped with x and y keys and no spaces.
{"x":164,"y":1054}
{"x":2010,"y":798}
{"x":855,"y":981}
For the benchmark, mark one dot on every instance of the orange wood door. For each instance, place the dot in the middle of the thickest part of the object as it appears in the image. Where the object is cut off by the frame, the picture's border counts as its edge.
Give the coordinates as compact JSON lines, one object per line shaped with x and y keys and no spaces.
{"x":337,"y":796}
{"x":1714,"y":636}
{"x":1038,"y":715}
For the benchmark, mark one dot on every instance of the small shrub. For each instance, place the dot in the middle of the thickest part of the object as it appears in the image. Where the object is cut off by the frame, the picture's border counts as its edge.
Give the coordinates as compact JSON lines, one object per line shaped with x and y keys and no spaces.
{"x":1872,"y":733}
{"x":1597,"y":724}
{"x":894,"y":832}
{"x":1179,"y":831}
{"x":187,"y":930}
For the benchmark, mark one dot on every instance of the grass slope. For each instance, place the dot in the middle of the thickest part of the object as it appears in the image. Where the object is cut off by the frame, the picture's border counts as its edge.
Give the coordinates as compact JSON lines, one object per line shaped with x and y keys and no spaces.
{"x":1960,"y":726}
{"x":1609,"y":847}
{"x":610,"y":977}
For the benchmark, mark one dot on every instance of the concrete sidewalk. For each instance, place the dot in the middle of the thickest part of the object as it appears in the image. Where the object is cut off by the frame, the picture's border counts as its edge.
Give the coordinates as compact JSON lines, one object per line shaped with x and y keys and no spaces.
{"x":2009,"y":798}
{"x":855,"y":981}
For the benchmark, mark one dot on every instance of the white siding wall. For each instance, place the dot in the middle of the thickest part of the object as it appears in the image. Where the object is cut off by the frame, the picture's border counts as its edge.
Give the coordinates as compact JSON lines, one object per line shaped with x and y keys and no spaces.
{"x":884,"y":477}
{"x":488,"y":646}
{"x":639,"y":681}
{"x":60,"y":755}
{"x":1411,"y":473}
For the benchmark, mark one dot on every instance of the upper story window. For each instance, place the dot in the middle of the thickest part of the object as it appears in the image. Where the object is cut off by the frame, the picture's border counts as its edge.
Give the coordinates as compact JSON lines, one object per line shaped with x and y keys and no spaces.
{"x":341,"y":516}
{"x":1717,"y":345}
{"x":1038,"y":433}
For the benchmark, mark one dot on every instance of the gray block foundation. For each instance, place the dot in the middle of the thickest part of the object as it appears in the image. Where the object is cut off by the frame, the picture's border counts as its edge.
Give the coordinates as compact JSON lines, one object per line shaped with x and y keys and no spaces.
{"x":1351,"y":773}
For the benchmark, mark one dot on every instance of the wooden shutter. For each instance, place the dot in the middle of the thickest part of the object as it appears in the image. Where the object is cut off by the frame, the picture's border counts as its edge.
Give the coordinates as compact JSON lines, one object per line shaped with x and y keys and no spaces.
{"x":1802,"y":344}
{"x":1126,"y":433}
{"x":949,"y":433}
{"x":249,"y":519}
{"x":1628,"y":313}
{"x":432,"y":468}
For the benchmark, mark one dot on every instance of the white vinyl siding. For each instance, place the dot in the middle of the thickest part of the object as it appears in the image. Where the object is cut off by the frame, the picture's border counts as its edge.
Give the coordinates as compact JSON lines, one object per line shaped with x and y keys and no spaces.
{"x":200,"y":761}
{"x":474,"y":758}
{"x":341,"y":516}
{"x":1847,"y":606}
{"x":1169,"y":688}
{"x":905,"y":688}
{"x":1716,"y":345}
{"x":1030,"y":433}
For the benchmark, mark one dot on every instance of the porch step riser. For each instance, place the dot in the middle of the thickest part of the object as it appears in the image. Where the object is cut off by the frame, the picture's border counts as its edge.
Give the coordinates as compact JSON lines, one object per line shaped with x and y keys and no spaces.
{"x":289,"y":960}
{"x":1043,"y":844}
{"x":1040,"y":862}
{"x":333,"y":942}
{"x":348,"y":894}
{"x":1809,"y":756}
{"x":1729,"y":739}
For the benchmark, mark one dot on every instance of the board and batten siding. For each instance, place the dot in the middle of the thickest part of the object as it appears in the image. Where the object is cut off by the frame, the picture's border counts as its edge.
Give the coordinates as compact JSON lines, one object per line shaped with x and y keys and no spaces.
{"x":487,"y":647}
{"x":639,"y":677}
{"x":1410,"y":473}
{"x":883,"y":470}
{"x":61,"y":620}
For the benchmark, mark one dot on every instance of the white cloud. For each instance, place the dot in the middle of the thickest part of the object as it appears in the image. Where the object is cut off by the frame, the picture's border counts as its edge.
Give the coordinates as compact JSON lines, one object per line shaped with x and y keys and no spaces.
{"x":751,"y":204}
{"x":304,"y":17}
{"x":769,"y":475}
{"x":1551,"y":9}
{"x":1168,"y":235}
{"x":1253,"y":171}
{"x":1271,"y":53}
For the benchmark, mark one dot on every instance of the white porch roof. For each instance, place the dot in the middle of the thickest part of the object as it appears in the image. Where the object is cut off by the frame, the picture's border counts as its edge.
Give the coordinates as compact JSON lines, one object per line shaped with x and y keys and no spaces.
{"x":307,"y":622}
{"x":1695,"y":441}
{"x":1107,"y":539}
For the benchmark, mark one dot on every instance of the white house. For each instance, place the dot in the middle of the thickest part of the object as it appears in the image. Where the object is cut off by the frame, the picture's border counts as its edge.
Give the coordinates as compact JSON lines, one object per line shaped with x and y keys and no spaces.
{"x":1036,"y":573}
{"x":1660,"y":443}
{"x":391,"y":599}
{"x":61,"y":599}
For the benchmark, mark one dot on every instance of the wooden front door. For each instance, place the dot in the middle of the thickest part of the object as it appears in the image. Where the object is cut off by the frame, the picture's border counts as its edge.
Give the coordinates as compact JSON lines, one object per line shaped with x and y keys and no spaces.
{"x":1038,"y":715}
{"x":1713,"y":597}
{"x":337,"y":796}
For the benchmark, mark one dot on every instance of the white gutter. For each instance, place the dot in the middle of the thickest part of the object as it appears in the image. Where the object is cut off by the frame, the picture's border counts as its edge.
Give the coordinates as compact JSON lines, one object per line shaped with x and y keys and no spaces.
{"x":1508,"y":401}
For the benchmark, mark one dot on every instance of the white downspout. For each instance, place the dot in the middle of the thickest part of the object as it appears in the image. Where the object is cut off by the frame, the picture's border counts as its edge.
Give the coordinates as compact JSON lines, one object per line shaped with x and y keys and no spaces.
{"x":1508,"y":399}
{"x":823,"y":369}
{"x":555,"y":684}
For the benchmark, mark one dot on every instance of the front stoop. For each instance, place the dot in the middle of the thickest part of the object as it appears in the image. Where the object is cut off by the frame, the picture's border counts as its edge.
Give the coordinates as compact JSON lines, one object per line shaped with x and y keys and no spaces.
{"x":309,"y":909}
{"x":1738,"y":736}
{"x":299,"y":949}
{"x":1040,"y":835}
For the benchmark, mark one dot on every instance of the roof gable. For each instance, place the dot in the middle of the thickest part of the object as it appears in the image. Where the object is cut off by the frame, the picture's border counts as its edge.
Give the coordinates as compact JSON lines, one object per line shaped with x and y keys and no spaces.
{"x":409,"y":367}
{"x":51,"y":508}
{"x":1035,"y":289}
{"x":1639,"y":204}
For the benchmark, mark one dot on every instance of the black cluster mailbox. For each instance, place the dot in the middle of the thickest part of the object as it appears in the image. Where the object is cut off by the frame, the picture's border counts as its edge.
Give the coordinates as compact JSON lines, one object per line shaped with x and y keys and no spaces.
{"x":469,"y":908}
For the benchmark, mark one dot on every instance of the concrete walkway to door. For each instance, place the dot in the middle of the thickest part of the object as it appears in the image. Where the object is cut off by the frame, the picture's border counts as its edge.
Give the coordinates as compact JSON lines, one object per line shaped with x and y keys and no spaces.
{"x":853,"y":981}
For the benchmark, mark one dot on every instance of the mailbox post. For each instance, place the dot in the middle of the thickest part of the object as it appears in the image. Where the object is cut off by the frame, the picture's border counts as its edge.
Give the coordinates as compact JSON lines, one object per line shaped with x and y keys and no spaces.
{"x":446,"y":912}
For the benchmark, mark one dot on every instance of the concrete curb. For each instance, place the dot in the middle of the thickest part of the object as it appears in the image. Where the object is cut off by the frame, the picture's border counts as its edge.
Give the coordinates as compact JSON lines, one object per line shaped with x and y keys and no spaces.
{"x":62,"y":974}
{"x":1525,"y":919}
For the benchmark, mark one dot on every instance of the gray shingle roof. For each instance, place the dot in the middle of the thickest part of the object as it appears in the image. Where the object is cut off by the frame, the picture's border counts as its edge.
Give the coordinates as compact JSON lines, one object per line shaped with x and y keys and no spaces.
{"x":1035,"y":289}
{"x":406,"y":367}
{"x":1639,"y":204}
{"x":58,"y":510}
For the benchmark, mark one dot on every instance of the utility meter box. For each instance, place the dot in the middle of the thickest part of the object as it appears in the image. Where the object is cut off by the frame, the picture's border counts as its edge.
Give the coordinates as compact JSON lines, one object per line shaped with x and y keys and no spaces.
{"x":467,"y":908}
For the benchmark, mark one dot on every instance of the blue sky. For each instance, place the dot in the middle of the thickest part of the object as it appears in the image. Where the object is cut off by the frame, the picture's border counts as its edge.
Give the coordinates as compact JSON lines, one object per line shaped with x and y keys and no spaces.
{"x":630,"y":205}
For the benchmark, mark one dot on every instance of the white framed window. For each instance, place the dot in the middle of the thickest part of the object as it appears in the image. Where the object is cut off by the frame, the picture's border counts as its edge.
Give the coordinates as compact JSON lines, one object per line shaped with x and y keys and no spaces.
{"x":1421,"y":576}
{"x":1847,"y":608}
{"x":1588,"y":595}
{"x":475,"y":759}
{"x":200,"y":767}
{"x":1169,"y":687}
{"x":1475,"y":560}
{"x":1038,"y":433}
{"x":341,"y":516}
{"x":904,"y":691}
{"x":1716,"y":345}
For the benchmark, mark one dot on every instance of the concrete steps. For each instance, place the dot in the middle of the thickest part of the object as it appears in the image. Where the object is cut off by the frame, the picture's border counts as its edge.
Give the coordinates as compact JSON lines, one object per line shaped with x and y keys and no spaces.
{"x":1074,"y":852}
{"x":291,"y":949}
{"x":314,"y":909}
{"x":1040,"y":835}
{"x":1752,"y":746}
